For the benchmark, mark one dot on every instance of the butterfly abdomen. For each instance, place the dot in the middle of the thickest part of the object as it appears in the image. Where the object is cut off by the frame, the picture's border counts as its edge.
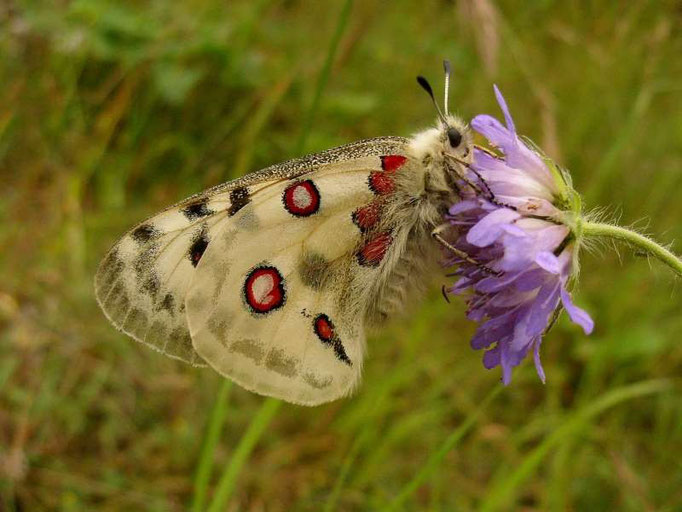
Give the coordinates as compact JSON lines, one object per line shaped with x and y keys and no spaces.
{"x":405,"y":276}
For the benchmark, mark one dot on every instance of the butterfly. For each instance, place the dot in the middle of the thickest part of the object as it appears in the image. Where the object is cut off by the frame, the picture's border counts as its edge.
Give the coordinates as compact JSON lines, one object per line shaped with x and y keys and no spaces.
{"x":272,"y":279}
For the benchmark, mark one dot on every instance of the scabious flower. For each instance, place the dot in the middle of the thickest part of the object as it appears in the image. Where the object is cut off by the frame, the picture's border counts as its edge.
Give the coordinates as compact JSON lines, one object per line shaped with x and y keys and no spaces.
{"x":519,"y":224}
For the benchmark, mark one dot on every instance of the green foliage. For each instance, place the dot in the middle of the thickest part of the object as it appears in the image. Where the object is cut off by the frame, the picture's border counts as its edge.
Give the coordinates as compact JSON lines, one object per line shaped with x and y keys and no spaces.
{"x":111,"y":110}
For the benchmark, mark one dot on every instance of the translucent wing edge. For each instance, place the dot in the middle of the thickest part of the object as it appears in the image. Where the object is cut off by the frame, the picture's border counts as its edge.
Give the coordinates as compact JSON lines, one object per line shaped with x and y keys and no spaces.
{"x":195,"y":360}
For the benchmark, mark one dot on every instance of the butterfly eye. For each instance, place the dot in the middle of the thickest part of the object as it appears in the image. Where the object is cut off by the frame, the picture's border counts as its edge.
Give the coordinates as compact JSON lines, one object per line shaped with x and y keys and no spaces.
{"x":454,"y":137}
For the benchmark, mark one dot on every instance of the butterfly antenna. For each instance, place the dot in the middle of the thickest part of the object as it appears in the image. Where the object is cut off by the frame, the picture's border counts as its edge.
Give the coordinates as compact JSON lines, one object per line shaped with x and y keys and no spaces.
{"x":424,"y":83}
{"x":448,"y":70}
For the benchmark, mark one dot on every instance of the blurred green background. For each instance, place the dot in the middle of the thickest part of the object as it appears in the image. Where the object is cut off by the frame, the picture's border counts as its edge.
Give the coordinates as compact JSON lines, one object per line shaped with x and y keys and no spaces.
{"x":111,"y":110}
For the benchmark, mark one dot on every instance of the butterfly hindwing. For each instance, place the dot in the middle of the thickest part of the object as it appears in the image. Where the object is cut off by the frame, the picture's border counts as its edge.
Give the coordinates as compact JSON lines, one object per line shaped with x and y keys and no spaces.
{"x":269,"y":306}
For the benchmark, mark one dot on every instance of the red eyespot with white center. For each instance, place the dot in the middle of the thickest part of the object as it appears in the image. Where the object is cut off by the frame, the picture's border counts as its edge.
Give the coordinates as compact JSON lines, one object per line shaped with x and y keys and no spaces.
{"x":264,"y":289}
{"x":324,"y":328}
{"x":371,"y":254}
{"x":301,"y":199}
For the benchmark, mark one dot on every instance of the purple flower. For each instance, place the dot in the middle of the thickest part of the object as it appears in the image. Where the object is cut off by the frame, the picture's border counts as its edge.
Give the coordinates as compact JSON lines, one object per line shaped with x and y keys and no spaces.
{"x":517,"y":223}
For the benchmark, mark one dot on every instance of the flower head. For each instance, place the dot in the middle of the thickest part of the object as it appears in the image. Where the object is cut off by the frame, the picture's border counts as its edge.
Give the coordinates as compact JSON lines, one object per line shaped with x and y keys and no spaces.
{"x":517,"y":225}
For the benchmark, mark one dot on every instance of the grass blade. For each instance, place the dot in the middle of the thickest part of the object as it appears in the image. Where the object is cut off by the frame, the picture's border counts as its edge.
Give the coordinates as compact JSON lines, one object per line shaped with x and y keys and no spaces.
{"x":437,"y":458}
{"x":345,"y":470}
{"x":246,"y":444}
{"x":500,"y":496}
{"x":213,"y":430}
{"x":322,"y":80}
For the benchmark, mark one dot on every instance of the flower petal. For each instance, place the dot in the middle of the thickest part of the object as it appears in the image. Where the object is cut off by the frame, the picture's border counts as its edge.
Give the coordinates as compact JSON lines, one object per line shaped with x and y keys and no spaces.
{"x":492,"y":130}
{"x":548,"y":261}
{"x":536,"y":358}
{"x":505,"y":363}
{"x":489,"y":228}
{"x":463,"y":206}
{"x":513,"y":230}
{"x":529,"y":205}
{"x":578,"y":316}
{"x":505,"y":110}
{"x":517,"y":233}
{"x":491,"y":358}
{"x":531,"y":280}
{"x":495,"y":283}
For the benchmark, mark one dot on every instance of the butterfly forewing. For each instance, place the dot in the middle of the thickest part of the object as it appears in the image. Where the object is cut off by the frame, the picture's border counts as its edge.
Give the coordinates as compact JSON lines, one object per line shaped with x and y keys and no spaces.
{"x":142,"y":282}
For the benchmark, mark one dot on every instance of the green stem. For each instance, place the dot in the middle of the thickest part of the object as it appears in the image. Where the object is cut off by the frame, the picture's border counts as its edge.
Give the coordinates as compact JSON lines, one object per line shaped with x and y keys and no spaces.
{"x":633,"y":238}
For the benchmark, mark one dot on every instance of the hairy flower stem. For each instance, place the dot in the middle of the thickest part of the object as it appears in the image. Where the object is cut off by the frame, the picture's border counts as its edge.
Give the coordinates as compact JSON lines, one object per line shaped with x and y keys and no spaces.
{"x":633,"y":238}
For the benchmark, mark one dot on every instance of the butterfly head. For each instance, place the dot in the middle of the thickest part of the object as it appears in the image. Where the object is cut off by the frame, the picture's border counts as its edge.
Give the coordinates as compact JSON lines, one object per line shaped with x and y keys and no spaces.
{"x":455,"y":139}
{"x":451,"y":139}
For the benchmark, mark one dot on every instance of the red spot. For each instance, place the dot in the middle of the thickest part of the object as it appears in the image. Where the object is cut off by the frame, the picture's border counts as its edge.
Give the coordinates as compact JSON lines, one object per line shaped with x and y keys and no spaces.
{"x":381,"y":183}
{"x":366,"y":217}
{"x":264,"y":289}
{"x":390,"y":163}
{"x":301,"y":199}
{"x":374,"y":250}
{"x":324,"y":327}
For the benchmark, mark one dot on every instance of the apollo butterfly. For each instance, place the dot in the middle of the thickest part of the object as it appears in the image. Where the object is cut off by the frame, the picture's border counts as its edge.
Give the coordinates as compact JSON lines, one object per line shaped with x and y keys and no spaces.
{"x":271,"y":279}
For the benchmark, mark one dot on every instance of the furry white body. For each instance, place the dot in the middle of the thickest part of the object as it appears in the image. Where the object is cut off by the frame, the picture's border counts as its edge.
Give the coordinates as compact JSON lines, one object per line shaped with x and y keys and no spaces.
{"x":272,"y":278}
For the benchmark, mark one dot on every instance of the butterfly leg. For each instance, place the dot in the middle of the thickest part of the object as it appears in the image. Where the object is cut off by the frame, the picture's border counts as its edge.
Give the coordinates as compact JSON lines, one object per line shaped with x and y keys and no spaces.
{"x":436,"y":234}
{"x":484,"y":188}
{"x":474,"y":186}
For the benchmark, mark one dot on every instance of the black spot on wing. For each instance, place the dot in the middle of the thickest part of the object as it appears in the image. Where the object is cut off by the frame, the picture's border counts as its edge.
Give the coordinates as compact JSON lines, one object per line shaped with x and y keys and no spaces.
{"x":144,"y":233}
{"x":326,"y":332}
{"x":239,"y":198}
{"x":341,"y":352}
{"x":197,"y":209}
{"x":196,"y":250}
{"x":144,"y":261}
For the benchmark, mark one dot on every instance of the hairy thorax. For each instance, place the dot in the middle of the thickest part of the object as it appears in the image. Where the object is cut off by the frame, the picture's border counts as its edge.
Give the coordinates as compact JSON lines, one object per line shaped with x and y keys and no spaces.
{"x":420,"y":200}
